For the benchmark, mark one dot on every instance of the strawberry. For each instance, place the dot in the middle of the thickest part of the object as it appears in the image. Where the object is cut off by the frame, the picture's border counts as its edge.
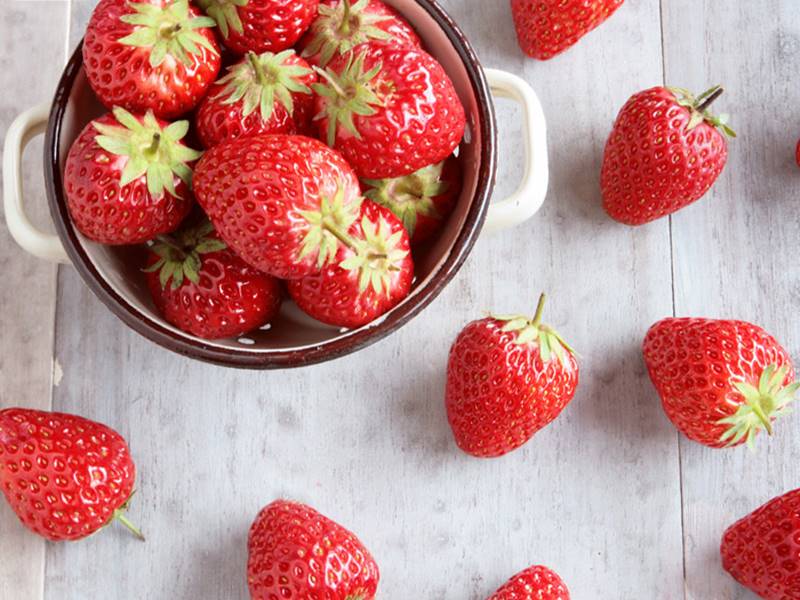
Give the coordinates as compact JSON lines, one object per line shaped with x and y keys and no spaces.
{"x":158,"y":55}
{"x":342,"y":25}
{"x":534,"y":583}
{"x":507,"y":378}
{"x":721,"y":382}
{"x":295,"y":552}
{"x":127,"y":178}
{"x":64,"y":476}
{"x":200,"y":286}
{"x":664,"y":152}
{"x":278,"y":201}
{"x":546,"y":28}
{"x":269,"y":93}
{"x":390,"y":110}
{"x":422,"y":200}
{"x":762,"y":550}
{"x":261,"y":25}
{"x":371,"y":274}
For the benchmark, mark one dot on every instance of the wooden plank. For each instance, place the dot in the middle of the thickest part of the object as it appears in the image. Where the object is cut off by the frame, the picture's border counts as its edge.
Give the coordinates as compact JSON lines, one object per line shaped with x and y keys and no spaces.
{"x":735,"y":251}
{"x":365,"y":438}
{"x":27,"y":296}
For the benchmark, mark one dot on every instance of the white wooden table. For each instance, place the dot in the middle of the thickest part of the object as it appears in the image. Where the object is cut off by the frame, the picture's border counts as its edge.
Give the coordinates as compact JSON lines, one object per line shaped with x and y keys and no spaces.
{"x":609,"y":495}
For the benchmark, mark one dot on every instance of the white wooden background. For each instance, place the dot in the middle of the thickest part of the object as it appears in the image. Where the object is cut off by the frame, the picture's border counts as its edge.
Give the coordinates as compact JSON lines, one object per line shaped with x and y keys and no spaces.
{"x":609,"y":495}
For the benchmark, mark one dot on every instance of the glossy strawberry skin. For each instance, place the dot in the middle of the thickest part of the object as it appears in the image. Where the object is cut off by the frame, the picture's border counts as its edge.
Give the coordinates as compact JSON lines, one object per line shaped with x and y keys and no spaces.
{"x":500,"y":393}
{"x":534,"y":583}
{"x":63,"y":475}
{"x":546,"y":28}
{"x":762,"y":550}
{"x":420,"y":122}
{"x":107,"y":213}
{"x":295,"y":552}
{"x":252,"y":189}
{"x":653,"y":166}
{"x":694,"y":364}
{"x":121,"y":75}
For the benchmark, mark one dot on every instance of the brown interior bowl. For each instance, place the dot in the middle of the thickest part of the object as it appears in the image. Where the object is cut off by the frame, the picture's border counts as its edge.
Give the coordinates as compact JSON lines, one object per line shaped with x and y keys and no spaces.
{"x":293,"y":339}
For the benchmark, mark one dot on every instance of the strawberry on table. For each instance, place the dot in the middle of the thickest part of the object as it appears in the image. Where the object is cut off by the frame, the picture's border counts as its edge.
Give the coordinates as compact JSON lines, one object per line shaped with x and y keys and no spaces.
{"x":344,"y":24}
{"x":534,"y":583}
{"x":507,"y":378}
{"x":390,"y":110}
{"x":721,"y":382}
{"x":269,"y":93}
{"x":295,"y":552}
{"x":64,"y":476}
{"x":158,"y":55}
{"x":127,"y":178}
{"x":665,"y":152}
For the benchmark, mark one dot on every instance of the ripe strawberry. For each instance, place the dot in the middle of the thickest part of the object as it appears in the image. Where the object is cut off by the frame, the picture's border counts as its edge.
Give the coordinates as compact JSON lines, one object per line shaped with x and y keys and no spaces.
{"x":295,"y":552}
{"x":664,"y":152}
{"x":261,"y":94}
{"x":64,"y":476}
{"x":127,"y":178}
{"x":720,"y":382}
{"x":371,"y":274}
{"x":277,"y":201}
{"x":261,"y":25}
{"x":546,"y":28}
{"x":422,"y":200}
{"x":200,"y":286}
{"x":158,"y":55}
{"x":342,"y":25}
{"x":390,"y":110}
{"x":534,"y":583}
{"x":762,"y":550}
{"x":507,"y":378}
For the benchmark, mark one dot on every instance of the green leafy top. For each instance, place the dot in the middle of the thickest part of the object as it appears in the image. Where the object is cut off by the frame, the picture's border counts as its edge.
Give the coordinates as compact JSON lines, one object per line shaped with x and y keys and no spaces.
{"x":328,"y":227}
{"x":167,"y":31}
{"x":225,"y":13}
{"x":699,"y":108}
{"x":180,"y":256}
{"x":340,"y":28}
{"x":376,"y":256}
{"x":152,"y":150}
{"x":259,"y":80}
{"x":761,"y":406}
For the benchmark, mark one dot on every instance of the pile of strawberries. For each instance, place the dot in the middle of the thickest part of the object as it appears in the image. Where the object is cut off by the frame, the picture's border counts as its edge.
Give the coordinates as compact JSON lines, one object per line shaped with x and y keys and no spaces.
{"x":329,"y":155}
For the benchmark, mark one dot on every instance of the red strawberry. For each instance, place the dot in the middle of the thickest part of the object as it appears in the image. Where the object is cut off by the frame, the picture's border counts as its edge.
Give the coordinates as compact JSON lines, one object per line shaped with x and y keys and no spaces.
{"x":342,"y":25}
{"x":664,"y":153}
{"x":158,"y":55}
{"x":200,"y":286}
{"x":534,"y":583}
{"x":507,"y":378}
{"x":261,"y":25}
{"x":261,"y":94}
{"x":762,"y":550}
{"x":371,"y":274}
{"x":64,"y":476}
{"x":720,"y":382}
{"x":295,"y":552}
{"x":549,"y":27}
{"x":127,"y":178}
{"x":422,"y":200}
{"x":389,"y":110}
{"x":277,"y":200}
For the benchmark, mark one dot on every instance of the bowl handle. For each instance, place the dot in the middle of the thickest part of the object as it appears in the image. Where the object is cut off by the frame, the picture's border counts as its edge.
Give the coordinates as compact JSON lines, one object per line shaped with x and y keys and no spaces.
{"x":529,"y":196}
{"x":24,"y":128}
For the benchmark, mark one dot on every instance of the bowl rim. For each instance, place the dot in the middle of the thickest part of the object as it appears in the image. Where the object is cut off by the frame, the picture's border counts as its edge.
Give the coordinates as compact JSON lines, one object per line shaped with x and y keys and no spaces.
{"x":350,"y":341}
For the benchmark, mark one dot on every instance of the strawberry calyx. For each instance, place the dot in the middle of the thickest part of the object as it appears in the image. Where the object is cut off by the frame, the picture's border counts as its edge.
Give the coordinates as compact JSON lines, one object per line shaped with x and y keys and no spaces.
{"x":119,"y":515}
{"x":762,"y":405}
{"x":328,"y":227}
{"x":340,"y":28}
{"x":376,"y":256}
{"x":180,"y":256}
{"x":153,"y":151}
{"x":699,"y":108}
{"x":168,"y":30}
{"x":260,"y":80}
{"x":225,"y":14}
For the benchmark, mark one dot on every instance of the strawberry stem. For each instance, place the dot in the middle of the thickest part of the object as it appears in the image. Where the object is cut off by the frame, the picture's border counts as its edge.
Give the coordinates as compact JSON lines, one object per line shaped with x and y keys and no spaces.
{"x":331,"y":81}
{"x":255,"y":64}
{"x":537,"y":318}
{"x":759,"y":412}
{"x":339,"y":234}
{"x":120,"y":516}
{"x":153,"y":148}
{"x":710,"y":100}
{"x":344,"y":26}
{"x":168,"y":241}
